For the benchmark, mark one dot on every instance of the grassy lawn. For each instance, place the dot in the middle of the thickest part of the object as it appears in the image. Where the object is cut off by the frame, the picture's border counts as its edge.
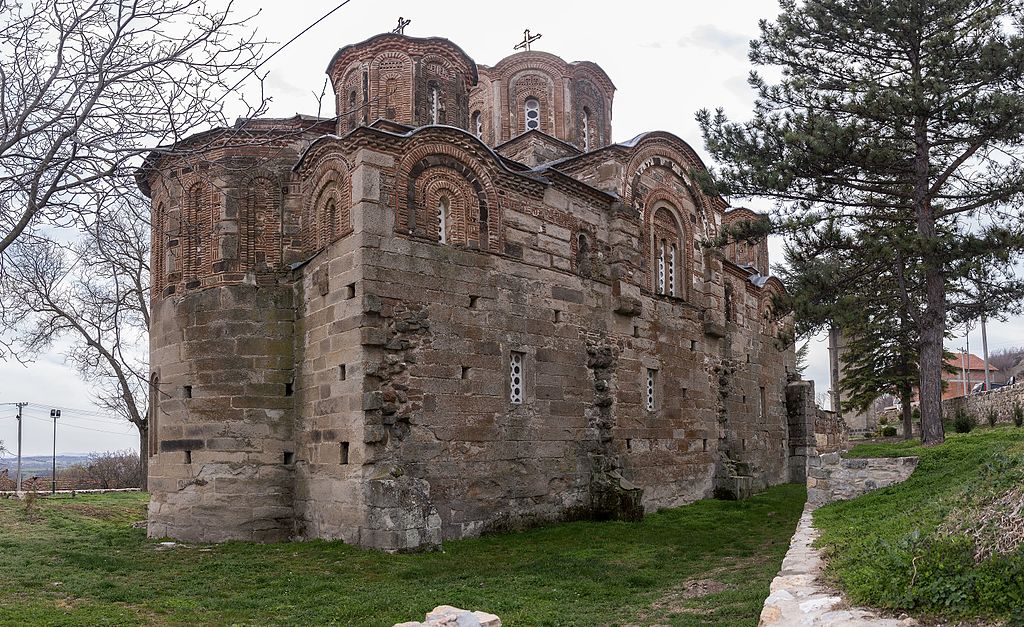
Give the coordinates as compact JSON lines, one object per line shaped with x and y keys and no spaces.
{"x":80,"y":561}
{"x":944,"y":543}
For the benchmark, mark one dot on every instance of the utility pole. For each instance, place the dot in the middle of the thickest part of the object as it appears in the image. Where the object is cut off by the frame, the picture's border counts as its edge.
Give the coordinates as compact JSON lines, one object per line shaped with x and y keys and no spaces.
{"x":963,"y":371}
{"x":984,"y":348}
{"x":17,"y":484}
{"x":55,"y":414}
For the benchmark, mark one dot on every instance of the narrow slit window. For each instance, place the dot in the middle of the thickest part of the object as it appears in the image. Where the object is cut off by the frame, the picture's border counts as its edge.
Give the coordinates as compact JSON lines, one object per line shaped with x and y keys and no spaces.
{"x":343,"y":453}
{"x":672,"y":270}
{"x":651,"y":377}
{"x":478,"y":125}
{"x":442,"y":220}
{"x":586,"y":129}
{"x":661,"y":268}
{"x":763,"y":404}
{"x":531,"y":108}
{"x":516,"y":378}
{"x":435,"y":105}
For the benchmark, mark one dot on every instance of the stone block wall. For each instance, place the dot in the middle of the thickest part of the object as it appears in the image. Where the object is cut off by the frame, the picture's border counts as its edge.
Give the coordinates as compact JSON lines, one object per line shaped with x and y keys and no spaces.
{"x":830,"y":477}
{"x":1000,"y":400}
{"x":223,"y":414}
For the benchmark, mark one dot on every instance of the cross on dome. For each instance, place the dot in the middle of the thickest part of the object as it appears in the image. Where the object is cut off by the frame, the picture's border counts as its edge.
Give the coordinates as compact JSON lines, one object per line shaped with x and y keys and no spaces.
{"x":402,"y":23}
{"x":527,"y":40}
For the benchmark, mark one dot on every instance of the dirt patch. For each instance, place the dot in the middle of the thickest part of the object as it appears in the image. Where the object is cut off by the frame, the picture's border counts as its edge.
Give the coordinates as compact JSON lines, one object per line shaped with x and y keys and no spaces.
{"x":673,"y":602}
{"x":93,"y":511}
{"x":689,"y":590}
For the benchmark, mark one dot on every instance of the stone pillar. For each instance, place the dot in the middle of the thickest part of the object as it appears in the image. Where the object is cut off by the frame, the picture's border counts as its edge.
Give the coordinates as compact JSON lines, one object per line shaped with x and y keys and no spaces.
{"x":801,"y":412}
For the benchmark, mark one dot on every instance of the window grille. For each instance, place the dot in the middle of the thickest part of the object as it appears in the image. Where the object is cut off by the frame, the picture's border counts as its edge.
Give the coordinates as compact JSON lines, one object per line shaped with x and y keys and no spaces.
{"x":516,"y":378}
{"x":532,"y":110}
{"x":651,"y":373}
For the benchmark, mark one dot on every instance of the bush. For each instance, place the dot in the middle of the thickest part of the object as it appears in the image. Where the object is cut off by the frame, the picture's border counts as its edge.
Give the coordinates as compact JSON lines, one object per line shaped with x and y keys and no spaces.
{"x":1018,"y":414}
{"x":992,"y":417}
{"x":884,"y":420}
{"x":888,"y":431}
{"x":964,"y":421}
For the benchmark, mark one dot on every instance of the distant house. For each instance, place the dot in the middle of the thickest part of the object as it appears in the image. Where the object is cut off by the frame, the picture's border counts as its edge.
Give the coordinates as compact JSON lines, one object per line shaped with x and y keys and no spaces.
{"x":970,"y":370}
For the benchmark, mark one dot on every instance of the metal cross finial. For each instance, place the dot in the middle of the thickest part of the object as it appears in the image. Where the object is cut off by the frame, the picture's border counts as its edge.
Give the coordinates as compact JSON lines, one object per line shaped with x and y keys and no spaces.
{"x":400,"y":29}
{"x":527,"y":40}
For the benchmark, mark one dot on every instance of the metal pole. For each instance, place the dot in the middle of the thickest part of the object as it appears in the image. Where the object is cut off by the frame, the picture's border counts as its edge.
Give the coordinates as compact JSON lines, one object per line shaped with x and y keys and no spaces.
{"x":968,"y":338}
{"x":17,"y":484}
{"x":963,"y":372}
{"x":984,"y":347}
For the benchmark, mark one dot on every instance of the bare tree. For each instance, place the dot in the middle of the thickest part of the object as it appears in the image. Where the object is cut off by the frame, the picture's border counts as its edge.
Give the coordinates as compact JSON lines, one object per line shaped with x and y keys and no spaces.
{"x":86,"y":86}
{"x":92,"y":294}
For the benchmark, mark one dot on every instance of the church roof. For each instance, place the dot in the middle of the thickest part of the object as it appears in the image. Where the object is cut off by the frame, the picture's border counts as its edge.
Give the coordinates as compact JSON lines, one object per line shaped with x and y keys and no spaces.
{"x":438,"y":41}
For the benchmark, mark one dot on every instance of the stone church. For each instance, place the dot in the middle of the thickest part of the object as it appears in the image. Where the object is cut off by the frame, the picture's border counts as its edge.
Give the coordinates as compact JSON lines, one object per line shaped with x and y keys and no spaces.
{"x":456,"y":306}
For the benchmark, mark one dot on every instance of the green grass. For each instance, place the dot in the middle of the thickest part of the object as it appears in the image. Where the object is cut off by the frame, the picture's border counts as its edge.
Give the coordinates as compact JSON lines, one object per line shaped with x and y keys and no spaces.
{"x":907,"y":546}
{"x":80,"y":561}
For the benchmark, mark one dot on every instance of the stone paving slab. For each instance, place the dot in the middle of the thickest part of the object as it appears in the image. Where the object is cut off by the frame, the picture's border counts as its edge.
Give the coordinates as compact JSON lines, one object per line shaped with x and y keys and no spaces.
{"x":800,"y":597}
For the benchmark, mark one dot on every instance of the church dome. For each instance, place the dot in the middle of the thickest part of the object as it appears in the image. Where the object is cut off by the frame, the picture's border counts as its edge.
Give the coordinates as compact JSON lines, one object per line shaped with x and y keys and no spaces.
{"x":411,"y":80}
{"x":540,"y":91}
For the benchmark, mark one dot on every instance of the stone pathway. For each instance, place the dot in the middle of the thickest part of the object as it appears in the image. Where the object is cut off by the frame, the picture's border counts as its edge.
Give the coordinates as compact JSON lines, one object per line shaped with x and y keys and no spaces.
{"x":799,"y":597}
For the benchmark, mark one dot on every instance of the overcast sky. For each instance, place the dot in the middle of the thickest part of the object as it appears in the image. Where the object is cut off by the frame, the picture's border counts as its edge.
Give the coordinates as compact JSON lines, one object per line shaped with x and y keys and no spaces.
{"x":667,"y":60}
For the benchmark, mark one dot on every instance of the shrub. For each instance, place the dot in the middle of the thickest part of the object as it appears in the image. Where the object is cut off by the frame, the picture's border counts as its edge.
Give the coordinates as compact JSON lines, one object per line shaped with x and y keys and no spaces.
{"x":1018,"y":414}
{"x":991,"y":417}
{"x":888,"y":431}
{"x":964,"y":421}
{"x":884,"y":420}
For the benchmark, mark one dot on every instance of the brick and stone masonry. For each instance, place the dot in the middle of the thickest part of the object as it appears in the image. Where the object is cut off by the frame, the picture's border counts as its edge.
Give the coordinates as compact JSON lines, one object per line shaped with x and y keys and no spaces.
{"x":400,"y":326}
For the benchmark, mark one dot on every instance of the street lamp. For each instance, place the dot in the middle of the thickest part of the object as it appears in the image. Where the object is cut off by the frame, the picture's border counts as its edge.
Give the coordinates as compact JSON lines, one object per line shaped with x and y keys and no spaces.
{"x":55,"y":414}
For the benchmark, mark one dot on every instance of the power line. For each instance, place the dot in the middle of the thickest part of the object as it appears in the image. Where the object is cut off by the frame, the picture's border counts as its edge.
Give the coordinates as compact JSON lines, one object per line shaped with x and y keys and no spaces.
{"x":282,"y":47}
{"x":67,"y":424}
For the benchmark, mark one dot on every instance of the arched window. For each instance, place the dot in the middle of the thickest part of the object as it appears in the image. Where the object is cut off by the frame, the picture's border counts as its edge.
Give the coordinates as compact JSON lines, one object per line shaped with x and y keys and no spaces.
{"x":435,"y":105}
{"x":531,"y":109}
{"x":442,"y":220}
{"x":668,"y":262}
{"x":478,"y":125}
{"x":586,"y":129}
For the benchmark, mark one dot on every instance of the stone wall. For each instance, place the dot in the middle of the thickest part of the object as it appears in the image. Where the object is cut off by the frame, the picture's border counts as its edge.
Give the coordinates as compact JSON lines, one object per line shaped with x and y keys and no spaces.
{"x":831,"y":432}
{"x":1000,"y":400}
{"x":831,"y":477}
{"x":812,"y":431}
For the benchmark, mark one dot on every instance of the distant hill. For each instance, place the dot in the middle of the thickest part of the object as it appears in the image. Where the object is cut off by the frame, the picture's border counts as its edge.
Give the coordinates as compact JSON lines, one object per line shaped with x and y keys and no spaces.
{"x":39,"y":465}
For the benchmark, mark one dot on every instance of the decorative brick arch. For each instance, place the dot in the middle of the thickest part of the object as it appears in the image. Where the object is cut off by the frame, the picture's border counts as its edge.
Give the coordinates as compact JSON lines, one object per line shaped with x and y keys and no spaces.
{"x":391,"y":74}
{"x":429,"y":170}
{"x":327,"y":202}
{"x":667,"y":233}
{"x":199,"y":213}
{"x":664,"y":155}
{"x":532,"y":84}
{"x":260,"y":222}
{"x":588,"y":97}
{"x":351,"y":99}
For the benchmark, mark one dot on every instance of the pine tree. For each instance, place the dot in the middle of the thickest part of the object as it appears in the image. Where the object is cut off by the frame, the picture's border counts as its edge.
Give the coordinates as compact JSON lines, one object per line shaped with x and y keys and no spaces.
{"x":905,"y":117}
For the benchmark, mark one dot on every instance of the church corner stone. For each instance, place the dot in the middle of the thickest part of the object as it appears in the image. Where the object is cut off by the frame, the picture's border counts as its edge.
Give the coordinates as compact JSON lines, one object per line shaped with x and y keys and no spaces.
{"x":403,"y":325}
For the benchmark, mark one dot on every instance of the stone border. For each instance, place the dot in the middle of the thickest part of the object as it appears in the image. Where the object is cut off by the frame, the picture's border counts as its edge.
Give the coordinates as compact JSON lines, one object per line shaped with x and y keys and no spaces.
{"x":799,"y":596}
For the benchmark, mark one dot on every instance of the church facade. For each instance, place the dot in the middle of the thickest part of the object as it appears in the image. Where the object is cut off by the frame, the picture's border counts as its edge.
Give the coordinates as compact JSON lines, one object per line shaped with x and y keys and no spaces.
{"x":456,"y":306}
